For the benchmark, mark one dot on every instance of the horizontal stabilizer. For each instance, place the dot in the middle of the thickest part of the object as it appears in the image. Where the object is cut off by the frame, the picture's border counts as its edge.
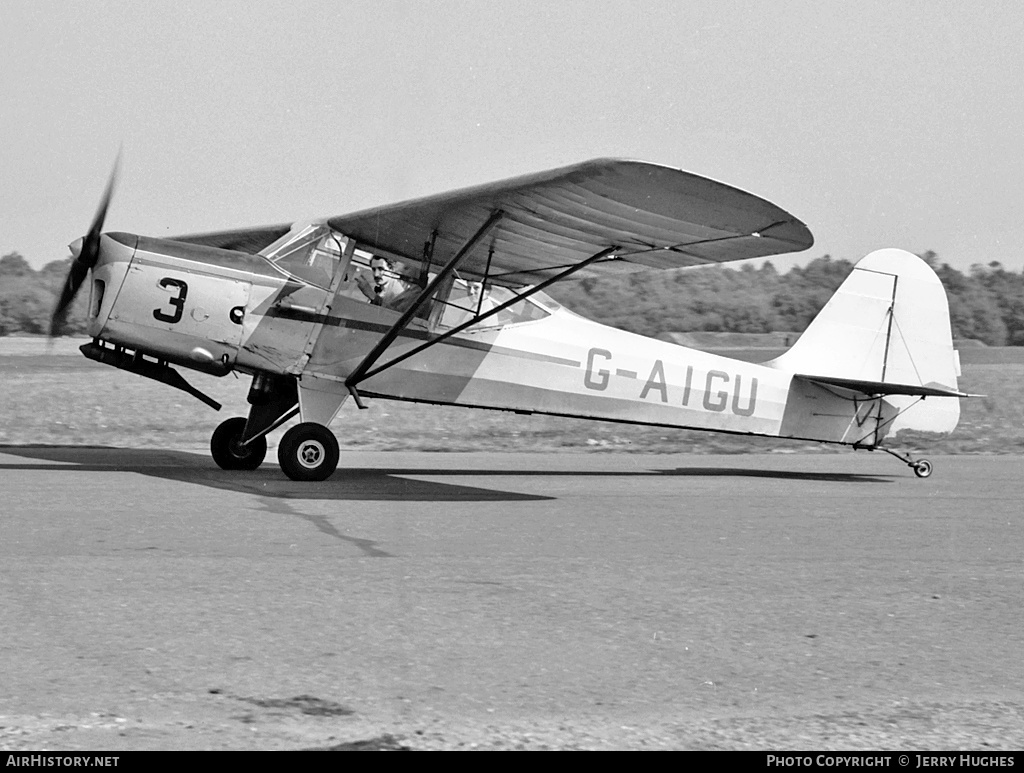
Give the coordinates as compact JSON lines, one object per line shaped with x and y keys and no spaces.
{"x":885,"y":387}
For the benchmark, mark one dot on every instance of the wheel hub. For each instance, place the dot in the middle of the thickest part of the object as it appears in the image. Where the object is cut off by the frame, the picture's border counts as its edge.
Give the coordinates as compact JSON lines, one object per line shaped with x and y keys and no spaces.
{"x":310,"y":453}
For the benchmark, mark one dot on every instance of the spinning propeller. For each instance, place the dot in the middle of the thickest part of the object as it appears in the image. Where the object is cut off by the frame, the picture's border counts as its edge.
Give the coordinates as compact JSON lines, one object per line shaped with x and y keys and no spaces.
{"x":86,"y":252}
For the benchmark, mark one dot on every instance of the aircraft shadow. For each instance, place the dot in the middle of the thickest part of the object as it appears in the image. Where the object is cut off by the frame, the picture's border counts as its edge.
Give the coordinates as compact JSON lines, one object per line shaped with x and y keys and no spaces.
{"x":361,"y":484}
{"x":269,"y":481}
{"x":738,"y":472}
{"x":696,"y":472}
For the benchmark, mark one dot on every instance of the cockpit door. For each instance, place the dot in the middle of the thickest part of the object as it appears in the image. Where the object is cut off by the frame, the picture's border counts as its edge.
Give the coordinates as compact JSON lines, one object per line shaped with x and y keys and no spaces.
{"x":284,"y":316}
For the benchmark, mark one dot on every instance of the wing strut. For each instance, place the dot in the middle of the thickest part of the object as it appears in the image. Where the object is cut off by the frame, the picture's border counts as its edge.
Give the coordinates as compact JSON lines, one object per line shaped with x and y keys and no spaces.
{"x":490,"y":313}
{"x":388,"y":338}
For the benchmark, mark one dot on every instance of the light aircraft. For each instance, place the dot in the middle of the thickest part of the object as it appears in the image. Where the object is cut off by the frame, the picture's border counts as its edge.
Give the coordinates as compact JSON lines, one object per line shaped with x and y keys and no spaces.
{"x":295,"y":306}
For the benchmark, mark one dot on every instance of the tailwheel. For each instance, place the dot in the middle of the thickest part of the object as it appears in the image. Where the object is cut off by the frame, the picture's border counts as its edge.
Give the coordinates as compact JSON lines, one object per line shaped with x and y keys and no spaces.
{"x":922,"y":467}
{"x":228,"y":451}
{"x":308,"y":451}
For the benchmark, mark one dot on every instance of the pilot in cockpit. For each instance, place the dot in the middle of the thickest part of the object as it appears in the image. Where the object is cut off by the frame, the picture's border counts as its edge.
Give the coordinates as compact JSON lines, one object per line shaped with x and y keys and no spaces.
{"x":392,"y":286}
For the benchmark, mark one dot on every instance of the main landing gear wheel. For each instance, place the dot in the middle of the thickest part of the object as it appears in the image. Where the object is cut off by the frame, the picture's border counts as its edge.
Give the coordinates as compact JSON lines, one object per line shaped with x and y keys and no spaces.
{"x":308,"y":451}
{"x":922,"y":468}
{"x":227,"y":449}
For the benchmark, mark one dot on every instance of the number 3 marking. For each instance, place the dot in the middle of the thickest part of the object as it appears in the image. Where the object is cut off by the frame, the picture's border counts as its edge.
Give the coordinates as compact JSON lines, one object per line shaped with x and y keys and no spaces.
{"x":178,"y":302}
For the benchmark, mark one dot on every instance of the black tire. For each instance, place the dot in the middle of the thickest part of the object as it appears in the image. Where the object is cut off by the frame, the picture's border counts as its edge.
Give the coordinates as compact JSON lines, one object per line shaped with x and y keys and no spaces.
{"x":308,"y":451}
{"x":227,"y":451}
{"x":922,"y":468}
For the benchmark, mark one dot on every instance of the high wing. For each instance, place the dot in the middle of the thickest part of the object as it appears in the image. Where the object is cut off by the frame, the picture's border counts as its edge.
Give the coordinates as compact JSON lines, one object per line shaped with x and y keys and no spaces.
{"x":540,"y":224}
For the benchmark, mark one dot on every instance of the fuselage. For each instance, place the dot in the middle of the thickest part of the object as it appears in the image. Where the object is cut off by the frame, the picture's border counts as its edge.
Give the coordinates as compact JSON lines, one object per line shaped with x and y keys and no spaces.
{"x":216,"y":311}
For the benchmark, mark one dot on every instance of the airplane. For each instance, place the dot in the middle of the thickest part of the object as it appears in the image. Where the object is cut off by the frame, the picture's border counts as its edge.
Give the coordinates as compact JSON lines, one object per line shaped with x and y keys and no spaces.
{"x":300,"y":307}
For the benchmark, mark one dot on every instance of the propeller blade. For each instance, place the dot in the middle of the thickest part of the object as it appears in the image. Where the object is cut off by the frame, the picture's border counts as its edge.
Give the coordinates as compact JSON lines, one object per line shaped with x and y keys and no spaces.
{"x":85,"y":258}
{"x":91,"y":245}
{"x":75,"y":278}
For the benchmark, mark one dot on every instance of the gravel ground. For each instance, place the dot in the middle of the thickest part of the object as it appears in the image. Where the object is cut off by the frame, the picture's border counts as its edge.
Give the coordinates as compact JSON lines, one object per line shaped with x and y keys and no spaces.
{"x":909,"y":726}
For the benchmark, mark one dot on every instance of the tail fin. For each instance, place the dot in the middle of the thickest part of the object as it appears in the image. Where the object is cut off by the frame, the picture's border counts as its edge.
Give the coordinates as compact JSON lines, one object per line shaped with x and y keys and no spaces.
{"x":886,"y":332}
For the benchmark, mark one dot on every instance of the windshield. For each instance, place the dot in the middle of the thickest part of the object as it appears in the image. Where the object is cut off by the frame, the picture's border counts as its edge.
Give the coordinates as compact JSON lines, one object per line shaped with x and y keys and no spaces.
{"x":310,"y":253}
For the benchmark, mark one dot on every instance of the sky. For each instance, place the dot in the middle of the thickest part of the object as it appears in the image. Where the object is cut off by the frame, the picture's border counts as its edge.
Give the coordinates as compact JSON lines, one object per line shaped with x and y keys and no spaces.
{"x":878,"y":124}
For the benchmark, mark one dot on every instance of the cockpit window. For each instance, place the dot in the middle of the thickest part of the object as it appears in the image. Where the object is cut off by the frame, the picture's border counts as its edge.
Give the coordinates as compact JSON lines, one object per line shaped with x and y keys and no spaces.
{"x":313,"y":252}
{"x":309,"y":253}
{"x":468,"y":300}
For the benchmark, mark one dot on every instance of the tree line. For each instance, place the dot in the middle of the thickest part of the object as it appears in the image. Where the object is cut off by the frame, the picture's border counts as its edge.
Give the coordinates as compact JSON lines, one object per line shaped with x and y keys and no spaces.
{"x":986,"y":304}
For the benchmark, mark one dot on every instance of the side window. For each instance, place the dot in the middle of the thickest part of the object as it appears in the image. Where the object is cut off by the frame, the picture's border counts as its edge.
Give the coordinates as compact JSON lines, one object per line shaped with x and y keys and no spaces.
{"x":384,"y":282}
{"x":465,"y":302}
{"x":358,"y":267}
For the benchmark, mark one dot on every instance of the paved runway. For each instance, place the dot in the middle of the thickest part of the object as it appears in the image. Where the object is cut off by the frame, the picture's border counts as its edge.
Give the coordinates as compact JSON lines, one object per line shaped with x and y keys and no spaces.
{"x":151,"y":600}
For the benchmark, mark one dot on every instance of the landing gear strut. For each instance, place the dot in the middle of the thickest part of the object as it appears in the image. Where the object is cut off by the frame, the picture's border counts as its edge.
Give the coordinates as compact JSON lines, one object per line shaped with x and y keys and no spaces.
{"x":922,"y":467}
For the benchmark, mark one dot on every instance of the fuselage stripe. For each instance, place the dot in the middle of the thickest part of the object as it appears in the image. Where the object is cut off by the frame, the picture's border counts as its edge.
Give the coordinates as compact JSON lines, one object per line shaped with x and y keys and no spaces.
{"x":423,"y":335}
